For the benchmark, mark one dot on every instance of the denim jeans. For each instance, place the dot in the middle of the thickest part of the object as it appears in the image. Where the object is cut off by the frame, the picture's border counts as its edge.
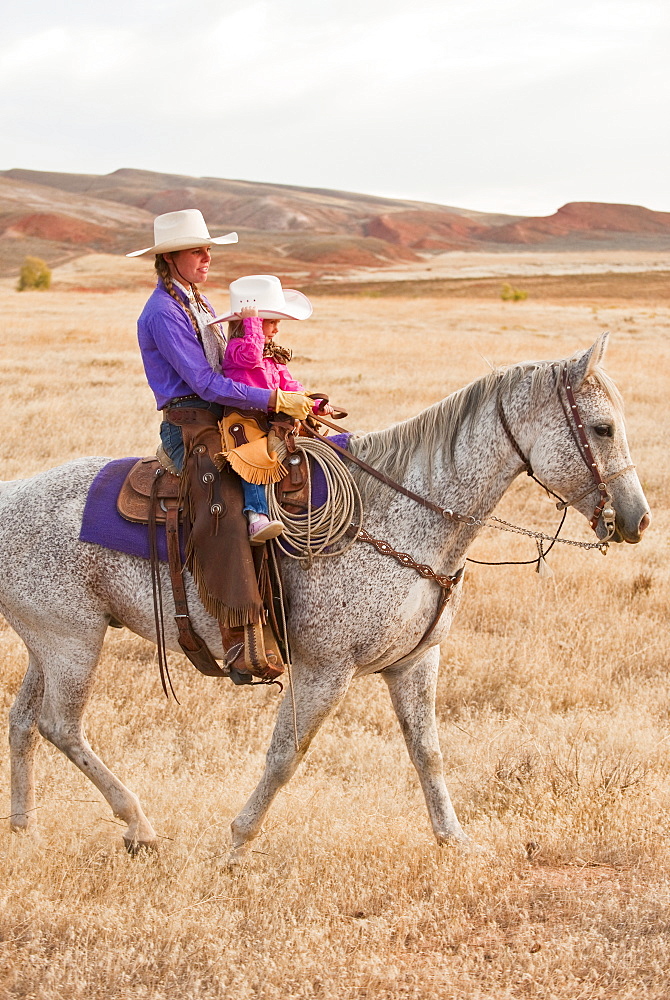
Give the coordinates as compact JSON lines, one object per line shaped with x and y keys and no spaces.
{"x":173,"y":443}
{"x":254,"y":498}
{"x":171,"y":436}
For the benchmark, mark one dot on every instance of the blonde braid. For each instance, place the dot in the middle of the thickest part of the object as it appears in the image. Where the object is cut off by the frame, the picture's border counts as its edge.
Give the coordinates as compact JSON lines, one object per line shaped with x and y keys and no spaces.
{"x":200,"y":301}
{"x":163,"y":272}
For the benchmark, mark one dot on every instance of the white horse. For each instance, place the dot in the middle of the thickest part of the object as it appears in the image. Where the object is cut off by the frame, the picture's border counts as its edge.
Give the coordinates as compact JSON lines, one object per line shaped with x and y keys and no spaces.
{"x":350,"y":615}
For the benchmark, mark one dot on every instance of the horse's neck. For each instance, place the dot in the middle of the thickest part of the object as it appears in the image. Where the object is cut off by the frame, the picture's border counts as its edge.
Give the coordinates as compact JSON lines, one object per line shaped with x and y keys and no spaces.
{"x":483,"y":467}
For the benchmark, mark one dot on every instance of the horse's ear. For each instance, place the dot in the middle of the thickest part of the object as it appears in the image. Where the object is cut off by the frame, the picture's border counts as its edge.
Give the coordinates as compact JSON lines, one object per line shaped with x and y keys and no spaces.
{"x":586,"y":363}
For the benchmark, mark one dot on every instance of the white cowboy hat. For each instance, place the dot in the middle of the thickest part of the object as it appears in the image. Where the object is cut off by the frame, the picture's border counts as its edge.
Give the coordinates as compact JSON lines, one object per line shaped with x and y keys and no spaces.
{"x":265,"y":292}
{"x":183,"y":230}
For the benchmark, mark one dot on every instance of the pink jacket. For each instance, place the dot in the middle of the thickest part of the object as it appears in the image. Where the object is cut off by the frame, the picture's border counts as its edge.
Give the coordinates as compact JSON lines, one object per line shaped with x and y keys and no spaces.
{"x":244,"y":361}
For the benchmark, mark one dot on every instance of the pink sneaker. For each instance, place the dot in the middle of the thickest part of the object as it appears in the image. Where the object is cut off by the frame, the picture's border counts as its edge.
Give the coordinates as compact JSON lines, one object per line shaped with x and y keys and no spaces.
{"x":262,"y":529}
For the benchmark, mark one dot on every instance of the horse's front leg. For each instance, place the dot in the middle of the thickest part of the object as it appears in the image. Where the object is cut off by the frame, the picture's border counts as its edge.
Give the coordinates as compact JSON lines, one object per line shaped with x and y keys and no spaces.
{"x":412,"y":691}
{"x":316,"y":695}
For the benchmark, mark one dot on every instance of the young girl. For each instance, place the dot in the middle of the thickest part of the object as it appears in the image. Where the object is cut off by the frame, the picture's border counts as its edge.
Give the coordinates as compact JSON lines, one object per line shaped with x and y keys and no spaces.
{"x":258,"y":303}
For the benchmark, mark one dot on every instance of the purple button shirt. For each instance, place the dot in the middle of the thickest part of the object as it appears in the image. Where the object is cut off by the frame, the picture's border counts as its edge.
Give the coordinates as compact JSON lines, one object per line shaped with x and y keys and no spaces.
{"x":175,"y":363}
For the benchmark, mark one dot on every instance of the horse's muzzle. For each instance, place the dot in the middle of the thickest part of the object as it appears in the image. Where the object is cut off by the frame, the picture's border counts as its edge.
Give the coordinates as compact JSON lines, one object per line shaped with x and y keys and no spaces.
{"x":623,"y":533}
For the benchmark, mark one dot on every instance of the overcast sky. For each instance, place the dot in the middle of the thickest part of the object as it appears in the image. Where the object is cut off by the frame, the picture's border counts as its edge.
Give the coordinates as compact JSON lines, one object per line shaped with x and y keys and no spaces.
{"x":497,"y":105}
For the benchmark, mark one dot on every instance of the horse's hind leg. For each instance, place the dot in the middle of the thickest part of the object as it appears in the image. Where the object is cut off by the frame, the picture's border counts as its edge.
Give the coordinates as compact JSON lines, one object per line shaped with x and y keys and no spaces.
{"x":68,"y":675}
{"x":412,"y":692}
{"x":23,"y":737}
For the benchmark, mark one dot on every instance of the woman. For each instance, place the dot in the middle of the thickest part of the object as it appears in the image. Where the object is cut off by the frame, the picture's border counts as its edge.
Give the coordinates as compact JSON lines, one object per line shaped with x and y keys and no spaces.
{"x":182,"y":357}
{"x":182,"y":354}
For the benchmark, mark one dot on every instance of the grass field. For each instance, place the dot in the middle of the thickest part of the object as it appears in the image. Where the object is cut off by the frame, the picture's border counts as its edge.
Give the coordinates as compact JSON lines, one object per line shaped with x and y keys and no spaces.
{"x":554,"y":713}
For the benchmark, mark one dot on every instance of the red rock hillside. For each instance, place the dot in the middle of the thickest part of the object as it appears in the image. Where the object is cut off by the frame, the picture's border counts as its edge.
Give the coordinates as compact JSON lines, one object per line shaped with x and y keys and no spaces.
{"x":587,"y":218}
{"x":426,"y":230}
{"x":61,"y":229}
{"x":291,"y":230}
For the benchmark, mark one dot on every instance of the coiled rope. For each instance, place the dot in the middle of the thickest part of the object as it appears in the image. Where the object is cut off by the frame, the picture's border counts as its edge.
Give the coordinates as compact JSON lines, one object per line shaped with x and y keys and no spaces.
{"x":322,"y":531}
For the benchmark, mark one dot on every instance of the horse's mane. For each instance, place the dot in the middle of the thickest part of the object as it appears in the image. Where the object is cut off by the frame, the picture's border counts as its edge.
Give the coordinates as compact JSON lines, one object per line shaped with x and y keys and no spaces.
{"x":391,"y":450}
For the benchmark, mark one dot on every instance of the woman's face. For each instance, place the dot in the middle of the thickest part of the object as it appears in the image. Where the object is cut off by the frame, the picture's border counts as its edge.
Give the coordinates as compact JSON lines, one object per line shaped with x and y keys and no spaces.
{"x":270,"y":329}
{"x":191,"y":266}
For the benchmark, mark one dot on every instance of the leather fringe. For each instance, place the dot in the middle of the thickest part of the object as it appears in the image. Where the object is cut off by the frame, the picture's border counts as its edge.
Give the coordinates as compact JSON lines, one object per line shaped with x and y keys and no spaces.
{"x":249,"y":614}
{"x":250,"y":473}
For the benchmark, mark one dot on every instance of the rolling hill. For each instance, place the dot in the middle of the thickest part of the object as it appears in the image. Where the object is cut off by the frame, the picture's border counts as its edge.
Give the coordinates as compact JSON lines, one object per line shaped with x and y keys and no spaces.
{"x":293,"y":231}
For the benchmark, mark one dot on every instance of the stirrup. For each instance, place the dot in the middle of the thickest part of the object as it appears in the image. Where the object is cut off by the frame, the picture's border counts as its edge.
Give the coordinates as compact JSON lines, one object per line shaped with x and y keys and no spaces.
{"x":257,"y":656}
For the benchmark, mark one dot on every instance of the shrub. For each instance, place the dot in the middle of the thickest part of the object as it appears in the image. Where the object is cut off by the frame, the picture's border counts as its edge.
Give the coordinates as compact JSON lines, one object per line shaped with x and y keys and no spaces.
{"x":34,"y":274}
{"x":510,"y":294}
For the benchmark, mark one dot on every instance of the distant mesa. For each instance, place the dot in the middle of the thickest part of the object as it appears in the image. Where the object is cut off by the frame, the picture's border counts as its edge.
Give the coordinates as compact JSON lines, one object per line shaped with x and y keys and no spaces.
{"x":594,"y":219}
{"x":294,"y":230}
{"x":426,"y":229}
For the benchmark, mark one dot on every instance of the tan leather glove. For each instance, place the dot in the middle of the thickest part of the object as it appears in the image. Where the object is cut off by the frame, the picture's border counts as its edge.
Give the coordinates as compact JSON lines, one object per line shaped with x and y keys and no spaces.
{"x":295,"y":404}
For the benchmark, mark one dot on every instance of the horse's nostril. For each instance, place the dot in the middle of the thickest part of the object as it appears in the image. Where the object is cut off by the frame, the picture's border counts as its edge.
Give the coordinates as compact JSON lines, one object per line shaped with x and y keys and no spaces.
{"x":644,"y":523}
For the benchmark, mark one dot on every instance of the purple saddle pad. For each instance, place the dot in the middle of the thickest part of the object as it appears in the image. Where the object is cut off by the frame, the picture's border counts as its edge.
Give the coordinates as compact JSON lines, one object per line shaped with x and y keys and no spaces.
{"x":319,"y":490}
{"x":103,"y":525}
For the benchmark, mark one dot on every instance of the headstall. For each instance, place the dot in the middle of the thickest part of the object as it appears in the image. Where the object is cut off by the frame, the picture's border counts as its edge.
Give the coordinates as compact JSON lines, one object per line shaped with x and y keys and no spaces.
{"x":605,"y":506}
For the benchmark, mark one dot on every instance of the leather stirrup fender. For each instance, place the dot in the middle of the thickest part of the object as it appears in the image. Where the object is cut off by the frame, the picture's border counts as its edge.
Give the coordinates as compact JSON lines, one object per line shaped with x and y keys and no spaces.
{"x":193,"y":646}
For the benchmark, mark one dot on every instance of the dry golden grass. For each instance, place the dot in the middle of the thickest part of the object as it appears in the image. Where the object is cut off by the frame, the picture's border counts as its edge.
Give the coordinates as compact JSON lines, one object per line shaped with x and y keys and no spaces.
{"x":553,"y":711}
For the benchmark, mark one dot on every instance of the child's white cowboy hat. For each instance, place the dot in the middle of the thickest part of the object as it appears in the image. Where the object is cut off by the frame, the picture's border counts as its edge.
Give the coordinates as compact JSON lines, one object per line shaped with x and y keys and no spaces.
{"x":183,"y":230}
{"x":265,"y":292}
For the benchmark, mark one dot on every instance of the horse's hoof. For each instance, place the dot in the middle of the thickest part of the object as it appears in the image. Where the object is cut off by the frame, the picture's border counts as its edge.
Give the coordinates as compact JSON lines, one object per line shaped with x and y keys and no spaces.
{"x":457,"y":841}
{"x":464,"y":845}
{"x":136,"y":847}
{"x":26,"y":827}
{"x":237,"y":857}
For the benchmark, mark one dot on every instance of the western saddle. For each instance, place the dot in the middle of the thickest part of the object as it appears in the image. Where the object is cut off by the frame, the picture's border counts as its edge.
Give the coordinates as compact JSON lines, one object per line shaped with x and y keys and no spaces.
{"x":154,"y":496}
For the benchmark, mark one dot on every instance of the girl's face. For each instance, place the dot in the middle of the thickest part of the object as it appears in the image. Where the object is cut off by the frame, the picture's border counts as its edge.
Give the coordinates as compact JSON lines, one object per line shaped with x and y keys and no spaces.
{"x":270,"y":329}
{"x":189,"y":265}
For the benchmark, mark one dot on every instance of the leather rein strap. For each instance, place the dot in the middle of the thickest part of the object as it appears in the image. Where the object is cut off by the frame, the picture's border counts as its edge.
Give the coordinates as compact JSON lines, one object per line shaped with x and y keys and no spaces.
{"x":444,"y":512}
{"x":445,"y":583}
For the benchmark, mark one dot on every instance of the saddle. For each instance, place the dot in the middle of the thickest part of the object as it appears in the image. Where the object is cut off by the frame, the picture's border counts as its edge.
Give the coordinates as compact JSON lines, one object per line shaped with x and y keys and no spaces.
{"x":146,"y":480}
{"x":152,"y":495}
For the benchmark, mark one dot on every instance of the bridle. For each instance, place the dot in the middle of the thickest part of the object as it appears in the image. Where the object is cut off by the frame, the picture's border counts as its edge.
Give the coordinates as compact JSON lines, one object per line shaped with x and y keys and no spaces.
{"x":605,"y":506}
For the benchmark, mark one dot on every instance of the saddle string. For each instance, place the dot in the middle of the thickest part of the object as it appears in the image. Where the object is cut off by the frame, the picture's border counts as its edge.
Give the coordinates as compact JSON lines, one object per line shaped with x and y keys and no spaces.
{"x":157,"y":591}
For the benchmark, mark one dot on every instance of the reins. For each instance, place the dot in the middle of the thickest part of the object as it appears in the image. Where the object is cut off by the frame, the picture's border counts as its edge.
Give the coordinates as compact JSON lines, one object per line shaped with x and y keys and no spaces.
{"x":447,"y":583}
{"x":470,"y":519}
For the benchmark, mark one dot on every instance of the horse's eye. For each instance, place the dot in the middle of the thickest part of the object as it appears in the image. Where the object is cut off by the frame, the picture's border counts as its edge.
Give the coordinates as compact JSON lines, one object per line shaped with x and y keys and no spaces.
{"x":604,"y":430}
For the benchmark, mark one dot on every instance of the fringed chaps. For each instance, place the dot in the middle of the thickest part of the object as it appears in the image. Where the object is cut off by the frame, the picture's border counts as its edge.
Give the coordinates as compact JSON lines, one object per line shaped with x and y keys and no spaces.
{"x":218,"y":554}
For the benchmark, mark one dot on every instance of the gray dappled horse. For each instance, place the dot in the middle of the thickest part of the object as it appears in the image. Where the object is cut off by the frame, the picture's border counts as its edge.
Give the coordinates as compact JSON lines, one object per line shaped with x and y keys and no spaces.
{"x":349,"y":616}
